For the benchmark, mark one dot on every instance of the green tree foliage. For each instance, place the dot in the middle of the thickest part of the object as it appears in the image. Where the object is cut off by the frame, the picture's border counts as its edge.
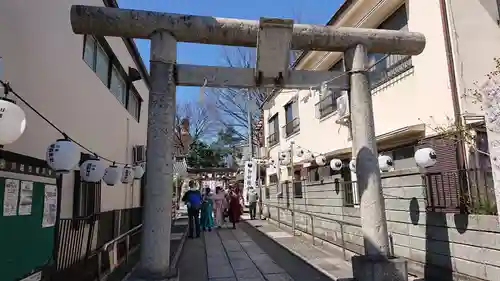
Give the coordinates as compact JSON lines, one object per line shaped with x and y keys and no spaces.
{"x":202,"y":155}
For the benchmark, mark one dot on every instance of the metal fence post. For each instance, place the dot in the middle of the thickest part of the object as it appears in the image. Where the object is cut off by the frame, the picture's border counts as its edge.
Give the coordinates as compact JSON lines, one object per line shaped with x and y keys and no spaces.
{"x":312,"y":230}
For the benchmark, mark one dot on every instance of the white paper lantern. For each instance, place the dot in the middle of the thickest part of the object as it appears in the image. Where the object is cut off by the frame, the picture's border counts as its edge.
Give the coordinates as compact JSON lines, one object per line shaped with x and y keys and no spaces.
{"x":352,"y":165}
{"x":300,"y":152}
{"x":12,"y":121}
{"x":92,"y":170}
{"x":425,"y":157}
{"x":138,"y":172}
{"x":63,"y":156}
{"x":285,"y":161}
{"x":385,"y":163}
{"x":308,"y":157}
{"x":336,"y":164}
{"x":283,"y":155}
{"x":321,"y":160}
{"x":112,"y":175}
{"x":127,"y":174}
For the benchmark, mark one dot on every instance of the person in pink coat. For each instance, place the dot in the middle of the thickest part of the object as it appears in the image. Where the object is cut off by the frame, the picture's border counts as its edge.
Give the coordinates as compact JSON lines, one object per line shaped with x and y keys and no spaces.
{"x":219,"y":199}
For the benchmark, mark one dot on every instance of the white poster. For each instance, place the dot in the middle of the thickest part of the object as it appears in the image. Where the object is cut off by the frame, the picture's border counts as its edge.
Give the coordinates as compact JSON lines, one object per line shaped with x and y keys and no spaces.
{"x":26,"y":198}
{"x":34,"y":277}
{"x":250,"y":175}
{"x":49,"y":206}
{"x":11,"y":197}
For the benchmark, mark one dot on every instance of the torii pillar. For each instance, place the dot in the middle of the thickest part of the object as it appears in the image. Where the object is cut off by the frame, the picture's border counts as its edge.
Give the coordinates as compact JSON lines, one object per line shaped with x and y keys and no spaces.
{"x":274,"y":38}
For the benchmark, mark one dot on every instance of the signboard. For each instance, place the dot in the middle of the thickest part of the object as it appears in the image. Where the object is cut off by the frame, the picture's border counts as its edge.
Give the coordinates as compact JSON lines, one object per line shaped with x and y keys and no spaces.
{"x":250,"y":175}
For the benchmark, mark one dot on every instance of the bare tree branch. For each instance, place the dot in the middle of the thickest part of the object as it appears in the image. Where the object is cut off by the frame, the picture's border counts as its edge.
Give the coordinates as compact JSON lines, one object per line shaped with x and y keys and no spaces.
{"x":200,"y":124}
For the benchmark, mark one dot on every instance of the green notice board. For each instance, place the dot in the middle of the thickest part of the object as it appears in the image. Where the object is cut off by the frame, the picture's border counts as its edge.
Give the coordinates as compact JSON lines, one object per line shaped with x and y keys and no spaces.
{"x":24,"y":244}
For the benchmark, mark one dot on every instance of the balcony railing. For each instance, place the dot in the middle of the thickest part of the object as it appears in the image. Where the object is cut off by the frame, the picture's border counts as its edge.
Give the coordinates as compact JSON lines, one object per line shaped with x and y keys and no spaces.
{"x":391,"y":67}
{"x":292,"y":127}
{"x":326,"y":105}
{"x":273,"y":139}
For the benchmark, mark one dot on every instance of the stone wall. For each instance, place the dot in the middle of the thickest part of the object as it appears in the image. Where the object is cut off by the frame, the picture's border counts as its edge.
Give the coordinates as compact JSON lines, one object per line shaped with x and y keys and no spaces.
{"x":438,"y":246}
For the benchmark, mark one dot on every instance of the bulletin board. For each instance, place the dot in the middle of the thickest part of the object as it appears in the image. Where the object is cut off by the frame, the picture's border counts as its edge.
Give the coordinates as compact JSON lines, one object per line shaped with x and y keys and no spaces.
{"x":27,"y":224}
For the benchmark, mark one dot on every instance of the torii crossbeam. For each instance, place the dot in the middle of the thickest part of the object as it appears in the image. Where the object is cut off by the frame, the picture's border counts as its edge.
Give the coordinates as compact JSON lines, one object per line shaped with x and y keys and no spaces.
{"x":273,"y":38}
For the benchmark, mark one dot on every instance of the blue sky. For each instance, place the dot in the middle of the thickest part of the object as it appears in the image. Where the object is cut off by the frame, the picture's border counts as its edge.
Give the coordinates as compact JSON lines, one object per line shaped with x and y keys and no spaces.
{"x":306,"y":11}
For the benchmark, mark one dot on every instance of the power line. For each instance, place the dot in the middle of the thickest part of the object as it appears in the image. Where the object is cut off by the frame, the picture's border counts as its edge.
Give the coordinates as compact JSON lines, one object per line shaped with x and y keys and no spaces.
{"x":8,"y":90}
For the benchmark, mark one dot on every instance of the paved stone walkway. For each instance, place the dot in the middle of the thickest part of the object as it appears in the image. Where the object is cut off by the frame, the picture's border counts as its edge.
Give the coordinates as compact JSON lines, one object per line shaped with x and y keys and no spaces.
{"x":233,"y":256}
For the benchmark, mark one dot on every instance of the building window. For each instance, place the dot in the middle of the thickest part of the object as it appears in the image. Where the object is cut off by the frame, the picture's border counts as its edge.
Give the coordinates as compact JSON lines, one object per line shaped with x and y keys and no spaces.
{"x":292,"y":121}
{"x":273,"y":124}
{"x":118,"y":86}
{"x":102,"y":63}
{"x":89,"y":51}
{"x":402,"y":157}
{"x":393,"y":65}
{"x":134,"y":104}
{"x":86,"y":196}
{"x":100,"y":58}
{"x":327,"y":104}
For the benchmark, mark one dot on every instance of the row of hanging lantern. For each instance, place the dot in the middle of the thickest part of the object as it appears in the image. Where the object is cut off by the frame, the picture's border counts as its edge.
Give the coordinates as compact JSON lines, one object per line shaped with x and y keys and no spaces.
{"x":424,"y":158}
{"x":63,"y":157}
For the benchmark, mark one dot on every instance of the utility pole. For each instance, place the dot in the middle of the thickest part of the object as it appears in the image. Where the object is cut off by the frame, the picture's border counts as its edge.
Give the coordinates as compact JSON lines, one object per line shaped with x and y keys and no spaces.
{"x":274,"y":39}
{"x":250,"y":125}
{"x":293,"y":184}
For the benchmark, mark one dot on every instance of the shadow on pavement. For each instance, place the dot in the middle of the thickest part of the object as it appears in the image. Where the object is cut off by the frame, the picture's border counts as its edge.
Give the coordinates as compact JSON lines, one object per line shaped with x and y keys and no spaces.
{"x":293,"y":265}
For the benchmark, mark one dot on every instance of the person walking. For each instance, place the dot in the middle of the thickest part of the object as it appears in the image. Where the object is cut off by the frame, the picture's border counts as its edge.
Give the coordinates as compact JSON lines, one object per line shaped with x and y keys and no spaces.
{"x":252,"y":198}
{"x":234,"y":208}
{"x":207,"y":206}
{"x":193,"y":200}
{"x":219,"y":199}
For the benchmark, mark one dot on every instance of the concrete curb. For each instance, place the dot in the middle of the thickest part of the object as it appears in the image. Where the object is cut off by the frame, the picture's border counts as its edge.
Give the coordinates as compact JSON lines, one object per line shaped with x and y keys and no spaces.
{"x":297,"y":254}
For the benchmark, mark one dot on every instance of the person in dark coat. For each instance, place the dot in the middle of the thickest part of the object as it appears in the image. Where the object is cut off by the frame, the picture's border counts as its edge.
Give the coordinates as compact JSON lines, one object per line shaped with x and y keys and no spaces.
{"x":234,"y":207}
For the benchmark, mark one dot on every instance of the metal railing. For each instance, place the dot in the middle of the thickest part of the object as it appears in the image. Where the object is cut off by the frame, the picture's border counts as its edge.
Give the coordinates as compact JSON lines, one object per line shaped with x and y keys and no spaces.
{"x":470,"y":191}
{"x":311,"y":230}
{"x":292,"y":127}
{"x":326,"y":105}
{"x":118,"y":252}
{"x":273,"y":139}
{"x":389,"y":68}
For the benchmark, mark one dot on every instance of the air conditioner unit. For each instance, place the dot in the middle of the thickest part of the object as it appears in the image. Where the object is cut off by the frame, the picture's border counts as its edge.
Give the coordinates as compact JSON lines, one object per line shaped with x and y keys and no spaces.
{"x":139,"y":153}
{"x":343,"y":111}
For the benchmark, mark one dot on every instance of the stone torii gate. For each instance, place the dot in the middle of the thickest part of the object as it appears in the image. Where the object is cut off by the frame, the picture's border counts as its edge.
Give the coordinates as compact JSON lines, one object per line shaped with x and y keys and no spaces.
{"x":273,"y":38}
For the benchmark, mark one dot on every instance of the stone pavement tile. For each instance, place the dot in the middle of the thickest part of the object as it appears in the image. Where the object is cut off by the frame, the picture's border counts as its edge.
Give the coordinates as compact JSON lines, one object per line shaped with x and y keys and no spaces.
{"x":248,"y":273}
{"x":242,"y":264}
{"x":232,"y":246}
{"x":193,"y":253}
{"x":269,"y":267}
{"x":240,"y":255}
{"x":223,"y":271}
{"x":278,"y":277}
{"x":218,"y":262}
{"x":261,"y":258}
{"x":326,"y":261}
{"x":223,"y":279}
{"x":252,"y":279}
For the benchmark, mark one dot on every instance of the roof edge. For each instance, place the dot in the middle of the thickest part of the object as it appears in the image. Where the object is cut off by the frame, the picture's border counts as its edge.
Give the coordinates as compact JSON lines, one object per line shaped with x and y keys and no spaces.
{"x":340,"y":11}
{"x":133,"y":50}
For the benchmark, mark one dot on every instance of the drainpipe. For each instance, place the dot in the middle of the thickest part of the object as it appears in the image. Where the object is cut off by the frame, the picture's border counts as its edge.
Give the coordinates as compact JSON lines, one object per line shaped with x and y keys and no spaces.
{"x":454,"y":92}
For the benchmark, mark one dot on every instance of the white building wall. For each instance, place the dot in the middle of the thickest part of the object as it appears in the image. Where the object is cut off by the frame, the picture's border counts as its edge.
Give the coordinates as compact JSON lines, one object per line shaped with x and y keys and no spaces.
{"x":475,"y":30}
{"x":43,"y":62}
{"x":421,"y":95}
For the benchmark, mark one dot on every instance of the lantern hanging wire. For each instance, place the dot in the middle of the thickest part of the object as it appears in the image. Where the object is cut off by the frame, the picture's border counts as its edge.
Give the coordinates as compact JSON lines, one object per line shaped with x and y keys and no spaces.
{"x":8,"y":90}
